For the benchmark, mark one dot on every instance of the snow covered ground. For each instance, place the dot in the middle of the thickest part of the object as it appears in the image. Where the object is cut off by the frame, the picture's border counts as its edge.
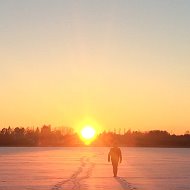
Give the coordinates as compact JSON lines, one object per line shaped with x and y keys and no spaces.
{"x":87,"y":168}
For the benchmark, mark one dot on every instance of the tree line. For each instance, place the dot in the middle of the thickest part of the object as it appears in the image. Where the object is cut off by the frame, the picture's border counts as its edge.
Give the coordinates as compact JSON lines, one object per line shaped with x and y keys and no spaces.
{"x":20,"y":136}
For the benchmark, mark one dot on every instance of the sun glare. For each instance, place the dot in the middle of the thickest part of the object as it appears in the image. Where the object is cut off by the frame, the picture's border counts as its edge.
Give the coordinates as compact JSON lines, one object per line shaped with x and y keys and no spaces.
{"x":88,"y":129}
{"x":88,"y":132}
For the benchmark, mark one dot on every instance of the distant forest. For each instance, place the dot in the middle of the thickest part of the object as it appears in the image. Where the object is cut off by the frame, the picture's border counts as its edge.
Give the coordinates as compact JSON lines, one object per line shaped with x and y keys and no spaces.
{"x":44,"y":136}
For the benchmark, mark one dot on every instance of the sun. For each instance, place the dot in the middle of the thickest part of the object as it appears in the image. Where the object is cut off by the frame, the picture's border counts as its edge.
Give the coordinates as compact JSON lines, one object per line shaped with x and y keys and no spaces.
{"x":88,"y":132}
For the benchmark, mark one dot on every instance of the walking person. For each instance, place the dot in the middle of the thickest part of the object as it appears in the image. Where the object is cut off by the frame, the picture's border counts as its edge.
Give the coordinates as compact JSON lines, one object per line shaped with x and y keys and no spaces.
{"x":116,"y":157}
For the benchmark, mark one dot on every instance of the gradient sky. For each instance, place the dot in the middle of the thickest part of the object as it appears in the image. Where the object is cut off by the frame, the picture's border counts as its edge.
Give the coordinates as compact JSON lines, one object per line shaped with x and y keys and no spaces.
{"x":119,"y":63}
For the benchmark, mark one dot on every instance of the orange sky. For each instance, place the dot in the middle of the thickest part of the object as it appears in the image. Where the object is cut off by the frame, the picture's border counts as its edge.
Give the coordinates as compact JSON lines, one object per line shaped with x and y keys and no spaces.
{"x":123,"y":65}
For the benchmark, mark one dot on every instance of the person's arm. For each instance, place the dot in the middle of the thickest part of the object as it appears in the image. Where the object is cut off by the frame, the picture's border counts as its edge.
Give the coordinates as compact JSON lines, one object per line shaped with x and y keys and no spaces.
{"x":109,"y":155}
{"x":120,"y":155}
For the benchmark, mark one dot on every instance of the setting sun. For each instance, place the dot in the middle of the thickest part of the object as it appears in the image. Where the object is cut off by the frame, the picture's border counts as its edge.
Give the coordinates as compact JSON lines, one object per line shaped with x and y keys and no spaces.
{"x":88,"y":132}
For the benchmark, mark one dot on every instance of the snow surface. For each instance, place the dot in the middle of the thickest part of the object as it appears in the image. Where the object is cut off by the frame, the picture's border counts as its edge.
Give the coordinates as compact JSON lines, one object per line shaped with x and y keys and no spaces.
{"x":88,"y":169}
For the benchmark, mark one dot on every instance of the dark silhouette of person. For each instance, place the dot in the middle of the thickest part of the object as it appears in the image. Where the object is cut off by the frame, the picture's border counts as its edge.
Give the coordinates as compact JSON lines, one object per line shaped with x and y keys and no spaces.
{"x":116,"y":157}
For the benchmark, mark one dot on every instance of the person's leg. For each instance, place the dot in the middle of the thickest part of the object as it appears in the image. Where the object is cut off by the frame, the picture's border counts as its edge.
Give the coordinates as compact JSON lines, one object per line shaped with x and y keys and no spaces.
{"x":115,"y":165}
